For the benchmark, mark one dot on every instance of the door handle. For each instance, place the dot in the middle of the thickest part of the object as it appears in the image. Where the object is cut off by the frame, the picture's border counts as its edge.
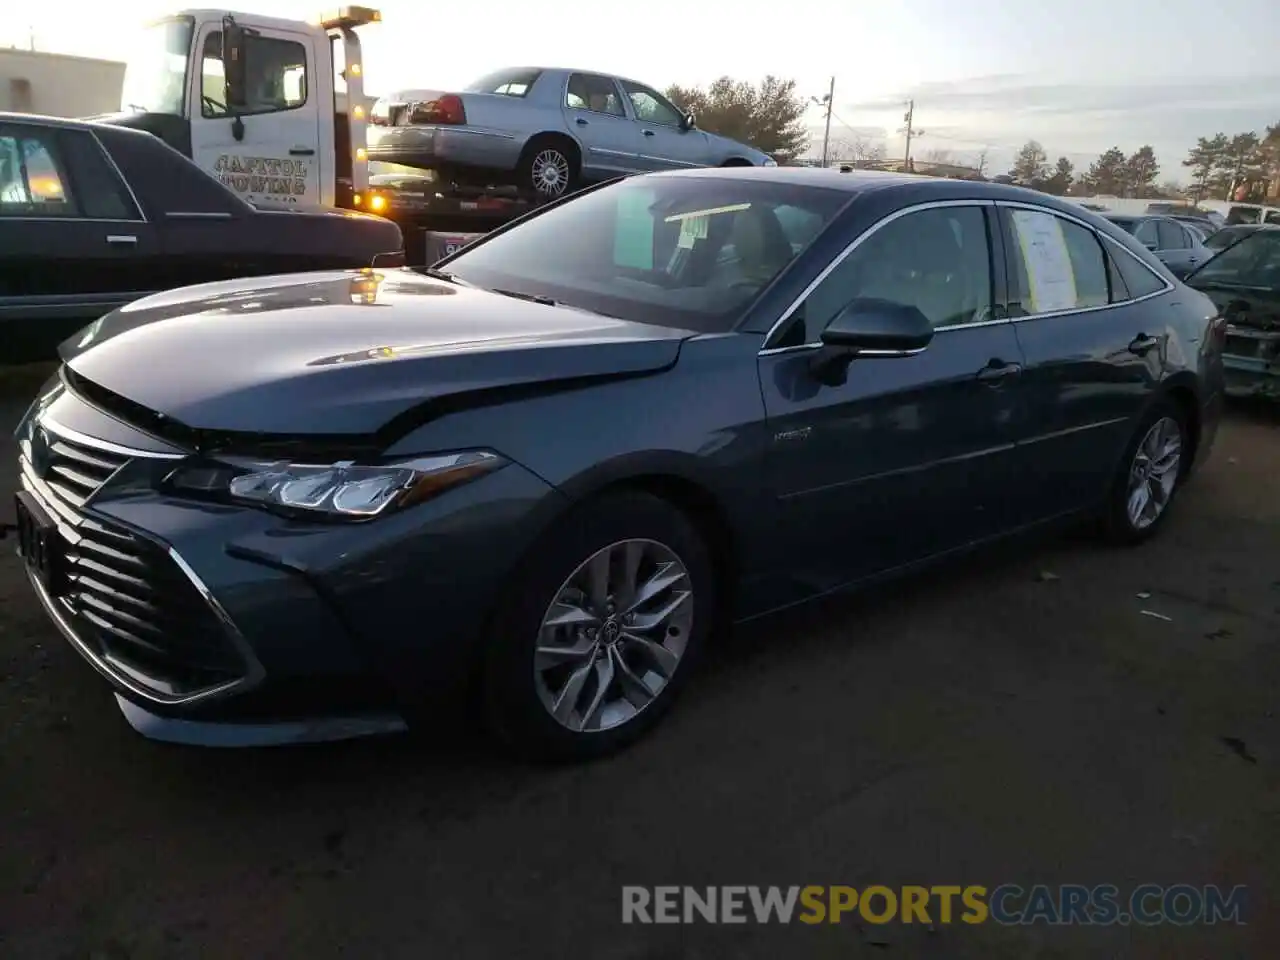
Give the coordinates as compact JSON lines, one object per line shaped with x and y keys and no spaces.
{"x":121,"y":240}
{"x":997,"y":371}
{"x":302,"y":151}
{"x":1143,"y":344}
{"x":581,"y":121}
{"x":648,"y":133}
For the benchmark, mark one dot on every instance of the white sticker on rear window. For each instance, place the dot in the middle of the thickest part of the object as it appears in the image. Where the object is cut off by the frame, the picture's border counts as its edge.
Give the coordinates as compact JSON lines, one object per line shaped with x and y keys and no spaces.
{"x":1050,"y":276}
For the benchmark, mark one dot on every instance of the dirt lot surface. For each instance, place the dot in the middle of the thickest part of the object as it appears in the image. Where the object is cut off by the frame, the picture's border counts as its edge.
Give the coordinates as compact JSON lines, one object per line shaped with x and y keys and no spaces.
{"x":1015,"y":718}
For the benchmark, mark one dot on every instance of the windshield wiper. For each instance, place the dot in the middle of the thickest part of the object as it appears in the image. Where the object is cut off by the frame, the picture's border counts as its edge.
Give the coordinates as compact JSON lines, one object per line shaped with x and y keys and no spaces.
{"x":435,"y":274}
{"x":531,"y":297}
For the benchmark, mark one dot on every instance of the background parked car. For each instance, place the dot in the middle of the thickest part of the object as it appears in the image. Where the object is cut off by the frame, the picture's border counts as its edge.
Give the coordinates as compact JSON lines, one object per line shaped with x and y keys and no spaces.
{"x":1177,"y":246}
{"x":546,"y":130}
{"x":1221,"y":239}
{"x":94,"y":216}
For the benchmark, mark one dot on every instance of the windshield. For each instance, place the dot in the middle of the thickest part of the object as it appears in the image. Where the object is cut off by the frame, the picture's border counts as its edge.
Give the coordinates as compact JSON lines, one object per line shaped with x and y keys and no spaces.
{"x":155,"y":74}
{"x":1128,"y":226}
{"x":1253,"y":262}
{"x":687,"y":252}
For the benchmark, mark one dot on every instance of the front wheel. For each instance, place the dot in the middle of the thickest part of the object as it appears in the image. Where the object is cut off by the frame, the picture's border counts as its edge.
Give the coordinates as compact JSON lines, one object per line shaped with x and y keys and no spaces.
{"x":1149,"y":476}
{"x":601,"y":630}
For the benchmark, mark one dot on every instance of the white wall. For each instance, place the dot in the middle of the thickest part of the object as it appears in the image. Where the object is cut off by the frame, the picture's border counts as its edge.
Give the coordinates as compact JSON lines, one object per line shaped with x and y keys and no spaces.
{"x":57,"y":85}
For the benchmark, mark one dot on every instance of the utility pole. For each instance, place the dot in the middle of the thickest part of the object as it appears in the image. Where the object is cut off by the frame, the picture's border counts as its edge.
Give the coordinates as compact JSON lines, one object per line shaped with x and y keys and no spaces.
{"x":910,"y":131}
{"x":826,"y":136}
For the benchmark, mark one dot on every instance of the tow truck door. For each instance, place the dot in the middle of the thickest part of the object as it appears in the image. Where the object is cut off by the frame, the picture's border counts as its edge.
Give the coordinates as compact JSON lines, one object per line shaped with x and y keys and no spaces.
{"x":271,"y":148}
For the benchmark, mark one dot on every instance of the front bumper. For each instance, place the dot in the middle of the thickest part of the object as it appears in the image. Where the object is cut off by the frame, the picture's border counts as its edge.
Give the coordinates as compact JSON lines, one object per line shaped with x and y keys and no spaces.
{"x":226,"y":625}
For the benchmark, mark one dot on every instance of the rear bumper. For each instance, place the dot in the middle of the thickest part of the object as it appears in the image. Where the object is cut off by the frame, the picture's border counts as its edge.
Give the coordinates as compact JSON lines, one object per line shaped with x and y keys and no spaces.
{"x":433,"y":146}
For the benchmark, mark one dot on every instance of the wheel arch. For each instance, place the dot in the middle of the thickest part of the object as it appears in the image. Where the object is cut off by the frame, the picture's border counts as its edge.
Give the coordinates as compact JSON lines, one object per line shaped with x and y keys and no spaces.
{"x":1182,"y":390}
{"x":553,"y":136}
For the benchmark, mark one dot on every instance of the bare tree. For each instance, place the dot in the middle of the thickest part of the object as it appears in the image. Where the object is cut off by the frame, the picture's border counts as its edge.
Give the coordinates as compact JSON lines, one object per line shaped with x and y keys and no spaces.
{"x":857,"y":150}
{"x":980,"y":164}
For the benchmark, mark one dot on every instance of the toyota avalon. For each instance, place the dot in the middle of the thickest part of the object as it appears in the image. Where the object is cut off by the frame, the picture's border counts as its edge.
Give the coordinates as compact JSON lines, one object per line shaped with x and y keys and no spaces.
{"x":532,"y":481}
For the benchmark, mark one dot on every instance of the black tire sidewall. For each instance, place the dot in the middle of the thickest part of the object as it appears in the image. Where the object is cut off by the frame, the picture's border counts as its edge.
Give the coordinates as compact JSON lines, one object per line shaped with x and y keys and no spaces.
{"x":1118,"y":527}
{"x":512,"y":707}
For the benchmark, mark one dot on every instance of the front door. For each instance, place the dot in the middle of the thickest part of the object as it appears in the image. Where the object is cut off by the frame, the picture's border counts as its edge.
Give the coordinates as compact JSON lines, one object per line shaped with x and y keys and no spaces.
{"x":664,"y":142}
{"x":278,"y":152}
{"x":912,"y":455}
{"x":1092,"y":343}
{"x":76,"y":245}
{"x":594,"y":113}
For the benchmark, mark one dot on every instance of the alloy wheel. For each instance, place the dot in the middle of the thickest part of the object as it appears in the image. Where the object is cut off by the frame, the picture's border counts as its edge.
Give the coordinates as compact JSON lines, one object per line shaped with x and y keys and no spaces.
{"x":550,"y":172}
{"x":1153,"y":475}
{"x":614,"y":635}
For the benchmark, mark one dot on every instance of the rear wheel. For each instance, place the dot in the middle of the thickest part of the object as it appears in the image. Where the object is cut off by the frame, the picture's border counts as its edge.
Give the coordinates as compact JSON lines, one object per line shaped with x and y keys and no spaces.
{"x":601,"y":631}
{"x":1149,"y":476}
{"x":549,"y":167}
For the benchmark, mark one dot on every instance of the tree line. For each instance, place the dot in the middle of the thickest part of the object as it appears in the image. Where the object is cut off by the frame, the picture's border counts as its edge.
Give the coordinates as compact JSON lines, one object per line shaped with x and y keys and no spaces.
{"x":770,"y":116}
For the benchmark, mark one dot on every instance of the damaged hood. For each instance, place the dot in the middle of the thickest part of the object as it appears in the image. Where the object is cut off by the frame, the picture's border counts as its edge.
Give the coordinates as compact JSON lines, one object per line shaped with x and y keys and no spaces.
{"x":345,"y":352}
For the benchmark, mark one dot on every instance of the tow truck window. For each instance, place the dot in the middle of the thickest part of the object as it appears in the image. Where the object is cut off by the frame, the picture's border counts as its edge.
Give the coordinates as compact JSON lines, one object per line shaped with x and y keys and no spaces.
{"x":276,"y":76}
{"x":32,"y":183}
{"x":508,"y":83}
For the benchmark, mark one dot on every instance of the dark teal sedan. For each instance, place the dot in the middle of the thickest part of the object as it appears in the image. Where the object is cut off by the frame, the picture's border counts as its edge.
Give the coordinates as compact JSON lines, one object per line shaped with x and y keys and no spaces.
{"x":531,"y":483}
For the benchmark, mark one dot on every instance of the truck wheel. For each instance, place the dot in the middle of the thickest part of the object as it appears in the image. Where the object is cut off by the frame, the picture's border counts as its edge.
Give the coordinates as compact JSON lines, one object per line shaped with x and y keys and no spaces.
{"x":549,"y":167}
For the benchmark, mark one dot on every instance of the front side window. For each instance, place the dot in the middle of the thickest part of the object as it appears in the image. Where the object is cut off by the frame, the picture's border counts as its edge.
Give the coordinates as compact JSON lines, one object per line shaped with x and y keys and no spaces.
{"x":936,"y":260}
{"x":687,"y":253}
{"x":1056,"y":265}
{"x":32,"y":180}
{"x":1253,"y":262}
{"x":275,"y":76}
{"x":651,"y":107}
{"x":588,"y":91}
{"x":155,"y":73}
{"x":1171,"y":236}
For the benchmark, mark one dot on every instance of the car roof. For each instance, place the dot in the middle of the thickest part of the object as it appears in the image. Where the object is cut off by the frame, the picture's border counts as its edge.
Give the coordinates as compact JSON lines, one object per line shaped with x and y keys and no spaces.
{"x":66,"y":123}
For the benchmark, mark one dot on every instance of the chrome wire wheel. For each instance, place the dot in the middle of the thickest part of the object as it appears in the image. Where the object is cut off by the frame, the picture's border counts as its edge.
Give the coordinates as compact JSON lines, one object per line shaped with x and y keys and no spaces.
{"x":1153,"y":475}
{"x":550,"y":172}
{"x":614,"y":635}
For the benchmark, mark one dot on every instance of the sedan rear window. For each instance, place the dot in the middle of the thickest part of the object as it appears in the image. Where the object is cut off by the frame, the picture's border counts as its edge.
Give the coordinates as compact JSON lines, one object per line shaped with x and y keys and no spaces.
{"x":508,"y":83}
{"x":681,"y":252}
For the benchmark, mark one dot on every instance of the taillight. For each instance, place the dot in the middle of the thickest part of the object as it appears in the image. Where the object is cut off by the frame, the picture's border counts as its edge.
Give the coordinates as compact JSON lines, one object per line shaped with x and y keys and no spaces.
{"x":447,"y":109}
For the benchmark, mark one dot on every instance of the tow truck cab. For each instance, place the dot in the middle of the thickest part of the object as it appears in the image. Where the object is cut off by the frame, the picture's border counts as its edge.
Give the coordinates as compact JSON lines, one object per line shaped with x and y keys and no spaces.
{"x":274,"y":108}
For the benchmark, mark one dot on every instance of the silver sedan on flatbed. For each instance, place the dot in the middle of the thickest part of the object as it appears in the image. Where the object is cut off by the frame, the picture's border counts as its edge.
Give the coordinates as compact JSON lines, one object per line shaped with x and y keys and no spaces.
{"x":547,"y":130}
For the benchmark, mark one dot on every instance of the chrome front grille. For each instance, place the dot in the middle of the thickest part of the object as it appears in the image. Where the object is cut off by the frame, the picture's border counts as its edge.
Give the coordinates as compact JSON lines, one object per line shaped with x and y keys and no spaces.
{"x":131,"y":604}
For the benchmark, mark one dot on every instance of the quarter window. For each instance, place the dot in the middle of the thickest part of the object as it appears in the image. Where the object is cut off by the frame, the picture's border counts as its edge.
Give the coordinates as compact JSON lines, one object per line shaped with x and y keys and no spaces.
{"x":1139,"y":279}
{"x":936,"y":260}
{"x":650,"y":107}
{"x":587,"y":91}
{"x":275,"y":76}
{"x":32,"y":180}
{"x":1055,"y":265}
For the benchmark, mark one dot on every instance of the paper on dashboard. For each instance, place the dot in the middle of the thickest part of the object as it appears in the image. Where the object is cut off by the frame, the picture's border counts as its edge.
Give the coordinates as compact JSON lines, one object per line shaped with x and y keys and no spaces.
{"x":1044,"y":252}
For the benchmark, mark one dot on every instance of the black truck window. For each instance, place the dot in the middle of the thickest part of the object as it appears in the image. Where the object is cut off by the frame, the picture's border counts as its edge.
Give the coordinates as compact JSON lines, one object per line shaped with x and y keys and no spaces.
{"x":99,"y":189}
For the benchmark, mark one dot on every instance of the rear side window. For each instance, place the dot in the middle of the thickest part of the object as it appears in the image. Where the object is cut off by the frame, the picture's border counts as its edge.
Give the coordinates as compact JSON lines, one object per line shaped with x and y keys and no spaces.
{"x":1171,"y":236}
{"x":33,"y":177}
{"x":101,"y":193}
{"x":1056,"y":265}
{"x":1140,"y":280}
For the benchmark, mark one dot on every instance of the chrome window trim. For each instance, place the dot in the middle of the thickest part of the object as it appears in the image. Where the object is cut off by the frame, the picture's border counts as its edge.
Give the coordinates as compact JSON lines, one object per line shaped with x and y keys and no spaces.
{"x":934,"y":204}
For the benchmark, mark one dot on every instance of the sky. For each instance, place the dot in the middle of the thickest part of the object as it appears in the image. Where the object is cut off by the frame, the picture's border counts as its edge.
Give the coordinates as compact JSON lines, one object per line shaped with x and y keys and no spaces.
{"x":1080,"y":76}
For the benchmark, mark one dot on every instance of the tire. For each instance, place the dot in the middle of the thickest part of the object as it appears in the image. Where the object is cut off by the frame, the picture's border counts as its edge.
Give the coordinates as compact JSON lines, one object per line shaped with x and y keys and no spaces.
{"x":522,"y":687}
{"x":540,"y":156}
{"x":1161,"y":482}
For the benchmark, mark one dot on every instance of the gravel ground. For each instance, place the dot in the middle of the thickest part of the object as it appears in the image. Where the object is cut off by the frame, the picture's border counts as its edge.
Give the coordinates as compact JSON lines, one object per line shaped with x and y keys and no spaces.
{"x":1013,"y":718}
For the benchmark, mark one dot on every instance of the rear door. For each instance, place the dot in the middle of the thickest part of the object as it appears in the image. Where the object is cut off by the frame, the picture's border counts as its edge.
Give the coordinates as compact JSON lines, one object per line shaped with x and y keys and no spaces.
{"x":1093,"y":342}
{"x":594,"y":113}
{"x":74,"y":242}
{"x":911,"y":456}
{"x":1175,"y":249}
{"x":664,"y":144}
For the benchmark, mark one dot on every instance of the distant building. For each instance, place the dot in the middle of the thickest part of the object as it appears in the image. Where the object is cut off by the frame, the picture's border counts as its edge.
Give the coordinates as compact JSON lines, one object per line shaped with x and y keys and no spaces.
{"x":58,"y":85}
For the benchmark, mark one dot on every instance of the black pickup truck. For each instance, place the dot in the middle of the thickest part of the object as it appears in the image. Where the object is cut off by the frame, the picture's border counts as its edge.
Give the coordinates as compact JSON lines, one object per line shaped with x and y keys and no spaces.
{"x":95,"y":216}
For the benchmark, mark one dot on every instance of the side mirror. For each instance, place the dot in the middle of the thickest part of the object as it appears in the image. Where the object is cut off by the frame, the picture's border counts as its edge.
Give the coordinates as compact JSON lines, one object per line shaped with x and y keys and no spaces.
{"x":233,"y":64}
{"x":872,"y":328}
{"x":689,"y":122}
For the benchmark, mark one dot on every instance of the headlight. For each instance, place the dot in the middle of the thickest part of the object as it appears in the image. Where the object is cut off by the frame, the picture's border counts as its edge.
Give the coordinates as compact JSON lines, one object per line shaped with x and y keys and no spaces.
{"x":769,"y":162}
{"x":338,"y":490}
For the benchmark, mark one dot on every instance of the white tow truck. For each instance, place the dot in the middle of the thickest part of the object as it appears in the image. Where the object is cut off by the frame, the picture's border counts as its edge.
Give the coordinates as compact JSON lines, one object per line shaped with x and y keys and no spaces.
{"x":276,"y":110}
